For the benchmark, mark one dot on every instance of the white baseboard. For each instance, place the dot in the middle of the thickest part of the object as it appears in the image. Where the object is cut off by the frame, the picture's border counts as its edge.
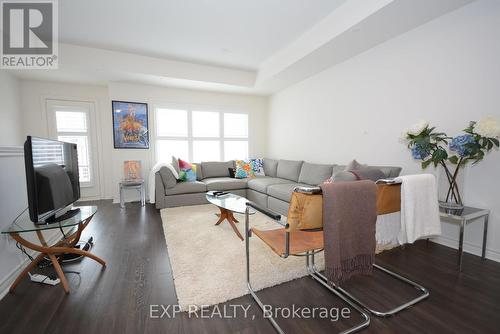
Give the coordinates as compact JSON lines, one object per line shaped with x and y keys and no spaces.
{"x":117,"y":201}
{"x":90,"y":198}
{"x":7,"y":281}
{"x":475,"y":249}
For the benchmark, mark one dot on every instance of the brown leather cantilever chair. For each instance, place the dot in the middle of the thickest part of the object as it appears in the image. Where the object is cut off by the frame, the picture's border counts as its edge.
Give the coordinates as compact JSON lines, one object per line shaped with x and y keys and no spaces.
{"x":302,"y":235}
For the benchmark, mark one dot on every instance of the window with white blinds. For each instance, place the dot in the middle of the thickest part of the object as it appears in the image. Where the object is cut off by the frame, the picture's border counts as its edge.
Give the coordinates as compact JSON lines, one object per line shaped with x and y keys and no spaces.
{"x":198,"y":135}
{"x":72,"y":127}
{"x":45,"y":152}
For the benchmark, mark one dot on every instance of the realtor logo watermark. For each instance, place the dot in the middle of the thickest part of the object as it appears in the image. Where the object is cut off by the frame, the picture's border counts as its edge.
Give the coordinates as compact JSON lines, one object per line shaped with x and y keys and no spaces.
{"x":234,"y":311}
{"x":29,"y":34}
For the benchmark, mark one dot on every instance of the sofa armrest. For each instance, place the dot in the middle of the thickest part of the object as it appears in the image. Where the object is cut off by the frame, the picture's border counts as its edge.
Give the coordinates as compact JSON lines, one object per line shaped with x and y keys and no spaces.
{"x":159,"y":192}
{"x":167,"y":178}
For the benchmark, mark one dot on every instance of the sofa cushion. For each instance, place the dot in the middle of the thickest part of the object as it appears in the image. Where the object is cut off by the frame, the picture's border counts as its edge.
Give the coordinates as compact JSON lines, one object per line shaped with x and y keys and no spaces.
{"x":199,"y":171}
{"x":390,"y":171}
{"x":354,"y":165}
{"x":270,"y":167}
{"x":340,"y":173}
{"x":257,"y":197}
{"x":283,"y":191}
{"x":224,"y":183}
{"x":343,"y":176}
{"x":314,"y":174}
{"x":338,"y":169}
{"x":261,"y":183}
{"x":277,"y":205}
{"x":216,"y":168}
{"x":368,"y":173}
{"x":167,"y":177}
{"x":289,"y":169}
{"x":187,"y":188}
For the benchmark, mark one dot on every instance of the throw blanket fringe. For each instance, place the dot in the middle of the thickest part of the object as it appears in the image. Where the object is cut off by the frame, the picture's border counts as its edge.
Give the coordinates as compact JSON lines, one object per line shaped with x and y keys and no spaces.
{"x":360,"y":264}
{"x":349,"y":218}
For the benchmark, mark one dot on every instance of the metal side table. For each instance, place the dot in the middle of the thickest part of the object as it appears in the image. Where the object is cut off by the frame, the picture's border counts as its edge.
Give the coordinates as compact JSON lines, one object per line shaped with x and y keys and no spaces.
{"x":133,"y":184}
{"x":463,"y":217}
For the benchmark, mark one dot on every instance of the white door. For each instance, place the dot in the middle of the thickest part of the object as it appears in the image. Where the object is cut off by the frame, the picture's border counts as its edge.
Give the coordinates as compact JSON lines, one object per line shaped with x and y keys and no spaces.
{"x":74,"y":122}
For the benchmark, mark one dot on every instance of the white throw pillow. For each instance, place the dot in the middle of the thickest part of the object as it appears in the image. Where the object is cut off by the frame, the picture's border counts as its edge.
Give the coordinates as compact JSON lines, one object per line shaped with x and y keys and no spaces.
{"x":172,"y":169}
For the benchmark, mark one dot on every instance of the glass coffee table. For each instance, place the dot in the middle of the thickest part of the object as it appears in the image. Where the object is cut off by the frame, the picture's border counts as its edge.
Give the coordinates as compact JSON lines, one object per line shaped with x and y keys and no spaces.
{"x":229,"y":204}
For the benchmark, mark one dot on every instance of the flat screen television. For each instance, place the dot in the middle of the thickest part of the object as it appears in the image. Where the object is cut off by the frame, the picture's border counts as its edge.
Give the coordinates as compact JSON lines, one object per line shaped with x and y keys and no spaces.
{"x":51,"y":177}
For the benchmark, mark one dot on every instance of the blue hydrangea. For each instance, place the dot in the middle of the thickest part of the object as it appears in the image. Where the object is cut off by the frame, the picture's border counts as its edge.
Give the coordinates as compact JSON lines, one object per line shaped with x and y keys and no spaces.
{"x":459,"y":144}
{"x":418,"y":152}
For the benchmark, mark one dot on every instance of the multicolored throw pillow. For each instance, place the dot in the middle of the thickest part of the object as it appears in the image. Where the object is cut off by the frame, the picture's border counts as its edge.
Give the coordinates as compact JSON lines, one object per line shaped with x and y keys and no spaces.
{"x":244,"y":169}
{"x":258,"y":166}
{"x":187,"y":171}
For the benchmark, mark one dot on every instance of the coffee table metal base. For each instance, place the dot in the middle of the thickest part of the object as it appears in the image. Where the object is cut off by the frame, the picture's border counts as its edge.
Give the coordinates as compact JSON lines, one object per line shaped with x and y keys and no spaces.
{"x":228,"y":215}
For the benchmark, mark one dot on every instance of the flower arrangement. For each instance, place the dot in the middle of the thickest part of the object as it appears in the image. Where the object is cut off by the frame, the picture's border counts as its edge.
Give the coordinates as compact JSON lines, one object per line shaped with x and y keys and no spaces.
{"x":438,"y":148}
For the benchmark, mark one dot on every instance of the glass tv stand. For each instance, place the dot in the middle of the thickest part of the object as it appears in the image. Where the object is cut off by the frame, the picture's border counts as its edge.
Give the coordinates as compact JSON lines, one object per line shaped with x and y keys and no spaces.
{"x":23,"y":224}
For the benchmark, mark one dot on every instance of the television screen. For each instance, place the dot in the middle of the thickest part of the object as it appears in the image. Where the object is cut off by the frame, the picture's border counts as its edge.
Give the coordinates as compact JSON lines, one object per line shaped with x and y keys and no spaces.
{"x":51,"y":176}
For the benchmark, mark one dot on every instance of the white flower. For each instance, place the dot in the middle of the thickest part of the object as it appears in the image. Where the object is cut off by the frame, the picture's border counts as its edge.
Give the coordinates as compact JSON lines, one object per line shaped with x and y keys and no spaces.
{"x":416,"y":129}
{"x":403,"y":138}
{"x":488,"y":127}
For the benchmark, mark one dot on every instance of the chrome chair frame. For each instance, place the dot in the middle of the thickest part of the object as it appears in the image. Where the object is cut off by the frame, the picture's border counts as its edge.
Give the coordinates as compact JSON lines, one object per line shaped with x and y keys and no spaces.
{"x":314,"y":272}
{"x":343,"y":294}
{"x":277,"y":219}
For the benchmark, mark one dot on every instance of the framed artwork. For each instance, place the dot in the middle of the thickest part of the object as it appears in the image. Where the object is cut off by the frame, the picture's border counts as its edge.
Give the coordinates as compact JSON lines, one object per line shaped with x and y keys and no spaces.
{"x":130,"y":125}
{"x":132,"y":170}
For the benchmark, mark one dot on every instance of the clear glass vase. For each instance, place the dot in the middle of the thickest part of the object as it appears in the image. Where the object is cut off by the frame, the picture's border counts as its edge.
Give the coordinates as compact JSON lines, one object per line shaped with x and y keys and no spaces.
{"x":451,"y":182}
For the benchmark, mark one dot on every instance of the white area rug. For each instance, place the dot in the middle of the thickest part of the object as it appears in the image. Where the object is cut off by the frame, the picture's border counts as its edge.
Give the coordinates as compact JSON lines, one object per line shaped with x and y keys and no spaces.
{"x":208,"y":261}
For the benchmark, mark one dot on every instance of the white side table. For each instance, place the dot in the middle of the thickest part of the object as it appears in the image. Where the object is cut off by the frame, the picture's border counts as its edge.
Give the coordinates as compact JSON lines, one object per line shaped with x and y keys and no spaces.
{"x":138,"y":185}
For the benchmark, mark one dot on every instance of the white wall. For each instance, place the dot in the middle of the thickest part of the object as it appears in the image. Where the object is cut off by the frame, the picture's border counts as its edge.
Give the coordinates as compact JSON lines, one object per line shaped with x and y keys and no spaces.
{"x":13,"y":197}
{"x":255,"y":106}
{"x":10,"y":100}
{"x":35,"y":93}
{"x":13,"y":200}
{"x":446,"y":71}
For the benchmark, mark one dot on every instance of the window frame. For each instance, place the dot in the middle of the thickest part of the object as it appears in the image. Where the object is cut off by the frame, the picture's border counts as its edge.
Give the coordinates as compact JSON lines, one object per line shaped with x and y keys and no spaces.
{"x":190,"y":138}
{"x":74,"y":106}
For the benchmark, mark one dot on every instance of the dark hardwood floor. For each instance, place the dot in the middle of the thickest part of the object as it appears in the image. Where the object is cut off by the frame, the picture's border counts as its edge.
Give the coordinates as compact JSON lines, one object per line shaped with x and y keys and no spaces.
{"x":118,"y":298}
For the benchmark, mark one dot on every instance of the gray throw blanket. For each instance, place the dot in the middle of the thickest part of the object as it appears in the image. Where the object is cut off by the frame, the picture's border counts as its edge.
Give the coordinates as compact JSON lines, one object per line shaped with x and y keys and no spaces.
{"x":349,"y":218}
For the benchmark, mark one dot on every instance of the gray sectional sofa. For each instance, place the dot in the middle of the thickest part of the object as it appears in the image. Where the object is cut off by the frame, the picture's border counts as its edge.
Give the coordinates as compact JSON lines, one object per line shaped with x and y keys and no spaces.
{"x":273,"y":191}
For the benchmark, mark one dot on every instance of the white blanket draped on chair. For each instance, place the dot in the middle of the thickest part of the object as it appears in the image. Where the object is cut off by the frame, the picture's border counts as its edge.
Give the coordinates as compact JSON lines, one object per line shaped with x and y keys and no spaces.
{"x":419,"y":208}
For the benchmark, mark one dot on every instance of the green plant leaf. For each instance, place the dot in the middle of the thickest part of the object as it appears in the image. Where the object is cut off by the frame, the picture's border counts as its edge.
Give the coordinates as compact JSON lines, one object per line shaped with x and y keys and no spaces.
{"x":426,"y":163}
{"x":484,"y":142}
{"x":495,"y":141}
{"x":453,"y":159}
{"x":439,"y":155}
{"x":478,"y":157}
